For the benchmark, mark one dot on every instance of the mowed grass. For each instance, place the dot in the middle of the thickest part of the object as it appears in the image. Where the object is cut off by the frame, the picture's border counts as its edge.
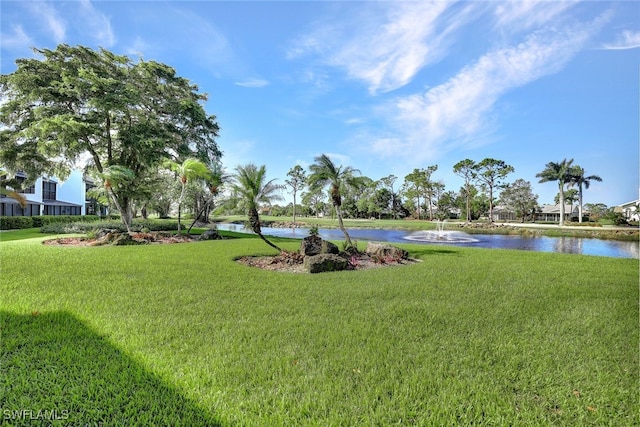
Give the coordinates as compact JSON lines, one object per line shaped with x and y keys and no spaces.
{"x":183,"y":335}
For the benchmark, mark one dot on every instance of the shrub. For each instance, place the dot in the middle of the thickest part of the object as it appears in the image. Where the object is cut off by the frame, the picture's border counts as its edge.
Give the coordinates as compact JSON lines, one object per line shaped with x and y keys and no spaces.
{"x":16,"y":222}
{"x":85,"y":227}
{"x":39,"y":221}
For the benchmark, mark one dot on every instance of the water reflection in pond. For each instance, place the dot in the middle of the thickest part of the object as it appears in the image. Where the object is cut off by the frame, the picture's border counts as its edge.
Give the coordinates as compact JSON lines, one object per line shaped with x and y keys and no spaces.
{"x":571,"y":245}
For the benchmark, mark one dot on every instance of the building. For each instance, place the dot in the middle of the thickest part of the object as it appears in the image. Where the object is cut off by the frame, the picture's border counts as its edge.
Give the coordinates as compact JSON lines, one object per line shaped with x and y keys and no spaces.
{"x":629,"y":210}
{"x":551,"y":213}
{"x":50,"y":196}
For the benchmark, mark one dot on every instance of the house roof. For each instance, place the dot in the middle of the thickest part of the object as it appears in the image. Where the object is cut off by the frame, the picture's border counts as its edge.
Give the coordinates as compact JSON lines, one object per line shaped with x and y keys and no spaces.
{"x":629,"y":204}
{"x":58,"y":203}
{"x":11,"y":200}
{"x":549,"y":209}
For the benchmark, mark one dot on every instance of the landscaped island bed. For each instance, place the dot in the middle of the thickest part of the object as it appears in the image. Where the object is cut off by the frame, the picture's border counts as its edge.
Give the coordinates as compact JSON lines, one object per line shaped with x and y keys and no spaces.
{"x":184,"y":335}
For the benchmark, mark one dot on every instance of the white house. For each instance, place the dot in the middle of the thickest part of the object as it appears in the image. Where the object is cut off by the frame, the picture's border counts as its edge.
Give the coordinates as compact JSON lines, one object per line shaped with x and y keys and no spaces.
{"x":551,"y":213}
{"x":50,"y":196}
{"x":630,"y":210}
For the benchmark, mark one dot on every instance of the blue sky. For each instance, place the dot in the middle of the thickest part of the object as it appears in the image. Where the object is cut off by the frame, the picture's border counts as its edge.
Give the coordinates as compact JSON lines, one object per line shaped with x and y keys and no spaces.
{"x":385,"y":87}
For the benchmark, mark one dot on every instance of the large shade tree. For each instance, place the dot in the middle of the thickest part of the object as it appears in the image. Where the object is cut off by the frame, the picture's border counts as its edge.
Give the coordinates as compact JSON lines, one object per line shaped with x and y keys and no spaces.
{"x":252,"y":189}
{"x":325,"y":173}
{"x":559,"y":172}
{"x":582,"y":181}
{"x":74,"y":103}
{"x":519,"y":197}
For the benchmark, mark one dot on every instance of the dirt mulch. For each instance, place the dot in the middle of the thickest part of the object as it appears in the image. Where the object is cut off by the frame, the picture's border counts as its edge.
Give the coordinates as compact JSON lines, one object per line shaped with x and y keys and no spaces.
{"x":141,"y":238}
{"x":289,"y":262}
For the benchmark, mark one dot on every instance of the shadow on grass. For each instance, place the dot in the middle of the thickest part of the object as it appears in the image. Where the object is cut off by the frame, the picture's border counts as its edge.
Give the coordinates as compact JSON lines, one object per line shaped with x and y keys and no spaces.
{"x":57,"y":371}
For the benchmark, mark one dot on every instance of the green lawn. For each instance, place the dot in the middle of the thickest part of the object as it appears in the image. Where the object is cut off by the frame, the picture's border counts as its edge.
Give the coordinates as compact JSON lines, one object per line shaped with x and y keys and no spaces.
{"x":183,"y":335}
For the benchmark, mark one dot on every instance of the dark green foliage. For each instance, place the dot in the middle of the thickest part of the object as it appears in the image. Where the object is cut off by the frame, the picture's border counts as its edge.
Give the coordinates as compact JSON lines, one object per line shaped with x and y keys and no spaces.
{"x":126,"y":117}
{"x":16,"y":222}
{"x":85,"y":227}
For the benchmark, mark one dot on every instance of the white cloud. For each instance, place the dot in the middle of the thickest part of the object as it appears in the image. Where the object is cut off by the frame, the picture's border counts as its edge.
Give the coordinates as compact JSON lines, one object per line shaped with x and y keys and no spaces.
{"x":97,"y":24}
{"x":17,"y":38}
{"x":626,"y":40}
{"x":460,"y":110}
{"x":253,"y":83}
{"x":47,"y":13}
{"x":386,"y":50}
{"x":523,"y":15}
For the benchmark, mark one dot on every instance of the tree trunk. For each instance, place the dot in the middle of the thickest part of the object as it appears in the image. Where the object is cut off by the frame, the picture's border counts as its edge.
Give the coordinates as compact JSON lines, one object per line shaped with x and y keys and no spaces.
{"x":561,"y":222}
{"x":254,"y":221}
{"x":580,"y":203}
{"x":126,"y":215}
{"x":491,"y":204}
{"x":341,"y":225}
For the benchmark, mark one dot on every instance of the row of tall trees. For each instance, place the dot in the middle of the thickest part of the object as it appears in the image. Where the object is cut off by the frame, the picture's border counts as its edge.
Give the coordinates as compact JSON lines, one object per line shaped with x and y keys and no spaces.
{"x":424,"y":197}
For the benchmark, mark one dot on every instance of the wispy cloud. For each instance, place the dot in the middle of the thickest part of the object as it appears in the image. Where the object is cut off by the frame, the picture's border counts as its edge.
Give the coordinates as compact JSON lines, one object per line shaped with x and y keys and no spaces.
{"x":457,"y":112}
{"x":626,"y":40}
{"x":253,"y":83}
{"x":97,"y":23}
{"x":18,"y":38}
{"x":524,"y":15}
{"x":389,"y":48}
{"x":45,"y":12}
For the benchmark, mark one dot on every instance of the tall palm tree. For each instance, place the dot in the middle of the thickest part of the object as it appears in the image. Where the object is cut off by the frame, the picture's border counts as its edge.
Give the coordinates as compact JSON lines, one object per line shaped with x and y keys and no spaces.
{"x":578,"y":178}
{"x":325,"y":172}
{"x":186,"y":171}
{"x":559,"y":172}
{"x":251,"y":184}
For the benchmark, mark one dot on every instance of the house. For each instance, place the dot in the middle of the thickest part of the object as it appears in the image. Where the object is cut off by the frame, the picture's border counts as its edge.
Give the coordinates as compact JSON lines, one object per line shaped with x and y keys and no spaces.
{"x":629,"y":210}
{"x":50,"y":196}
{"x":551,"y":213}
{"x":503,"y":213}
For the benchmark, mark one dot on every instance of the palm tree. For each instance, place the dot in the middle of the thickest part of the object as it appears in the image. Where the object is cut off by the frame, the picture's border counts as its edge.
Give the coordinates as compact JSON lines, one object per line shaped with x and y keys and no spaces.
{"x":214,"y":182}
{"x":187,"y":170}
{"x":251,"y":185}
{"x":578,"y":178}
{"x":559,"y":172}
{"x":325,"y":172}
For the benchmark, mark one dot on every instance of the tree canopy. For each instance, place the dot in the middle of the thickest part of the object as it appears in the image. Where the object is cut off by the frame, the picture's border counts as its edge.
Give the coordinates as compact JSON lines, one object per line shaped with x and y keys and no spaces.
{"x":76,"y":103}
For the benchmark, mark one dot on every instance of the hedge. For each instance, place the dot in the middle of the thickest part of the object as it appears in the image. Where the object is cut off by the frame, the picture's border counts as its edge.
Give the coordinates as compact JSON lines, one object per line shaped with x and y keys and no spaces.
{"x":85,"y":227}
{"x":14,"y":222}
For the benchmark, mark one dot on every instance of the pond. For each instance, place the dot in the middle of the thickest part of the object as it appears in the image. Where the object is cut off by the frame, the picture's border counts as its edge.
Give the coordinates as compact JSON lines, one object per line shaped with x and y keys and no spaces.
{"x":571,"y":245}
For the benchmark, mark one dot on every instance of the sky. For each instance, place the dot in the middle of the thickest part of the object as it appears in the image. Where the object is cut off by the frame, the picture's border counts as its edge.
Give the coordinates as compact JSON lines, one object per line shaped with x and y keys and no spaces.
{"x":385,"y":87}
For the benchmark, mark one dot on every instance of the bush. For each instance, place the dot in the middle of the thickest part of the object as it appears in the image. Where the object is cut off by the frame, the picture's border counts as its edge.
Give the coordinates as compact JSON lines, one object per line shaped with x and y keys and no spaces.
{"x":16,"y":222}
{"x":86,"y":227}
{"x":39,"y":221}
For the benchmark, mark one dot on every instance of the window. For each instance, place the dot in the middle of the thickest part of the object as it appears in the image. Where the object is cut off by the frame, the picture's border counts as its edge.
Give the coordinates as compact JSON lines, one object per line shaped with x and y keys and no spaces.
{"x":48,"y":190}
{"x":28,"y":190}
